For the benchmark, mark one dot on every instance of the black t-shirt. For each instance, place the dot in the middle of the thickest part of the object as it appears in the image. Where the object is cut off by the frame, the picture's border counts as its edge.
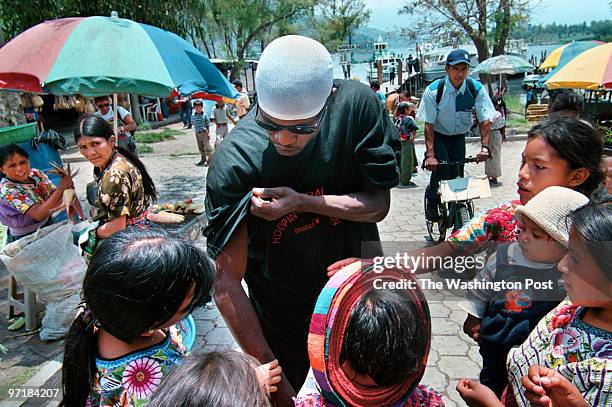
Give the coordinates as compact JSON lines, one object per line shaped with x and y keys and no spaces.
{"x":287,"y":258}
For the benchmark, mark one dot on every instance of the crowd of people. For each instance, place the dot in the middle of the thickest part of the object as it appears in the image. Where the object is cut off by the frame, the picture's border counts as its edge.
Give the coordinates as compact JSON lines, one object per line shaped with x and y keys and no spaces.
{"x":293,"y":195}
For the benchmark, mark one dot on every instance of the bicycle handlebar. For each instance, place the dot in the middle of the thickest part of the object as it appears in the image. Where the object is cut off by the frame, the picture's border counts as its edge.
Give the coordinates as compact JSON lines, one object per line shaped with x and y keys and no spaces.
{"x":464,"y":161}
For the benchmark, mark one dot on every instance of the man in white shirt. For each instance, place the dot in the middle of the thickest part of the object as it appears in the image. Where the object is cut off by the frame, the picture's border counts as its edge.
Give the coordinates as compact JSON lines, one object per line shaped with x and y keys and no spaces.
{"x":243,"y":103}
{"x":126,"y":123}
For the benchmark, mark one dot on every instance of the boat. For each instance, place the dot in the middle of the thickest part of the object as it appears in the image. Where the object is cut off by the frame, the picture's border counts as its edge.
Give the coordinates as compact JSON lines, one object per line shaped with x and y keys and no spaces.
{"x":434,"y":61}
{"x":384,"y":57}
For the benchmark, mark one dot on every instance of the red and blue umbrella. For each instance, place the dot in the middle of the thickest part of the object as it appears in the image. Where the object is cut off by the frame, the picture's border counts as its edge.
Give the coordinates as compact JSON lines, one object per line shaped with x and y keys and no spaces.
{"x":95,"y":56}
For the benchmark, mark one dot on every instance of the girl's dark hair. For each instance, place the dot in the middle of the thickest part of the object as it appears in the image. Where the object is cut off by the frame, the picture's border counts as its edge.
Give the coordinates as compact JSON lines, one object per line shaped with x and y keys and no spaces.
{"x":95,"y":126}
{"x":565,"y":101}
{"x":593,"y":223}
{"x":576,"y":142}
{"x":8,"y":151}
{"x":136,"y":281}
{"x":388,"y":322}
{"x":216,"y":379}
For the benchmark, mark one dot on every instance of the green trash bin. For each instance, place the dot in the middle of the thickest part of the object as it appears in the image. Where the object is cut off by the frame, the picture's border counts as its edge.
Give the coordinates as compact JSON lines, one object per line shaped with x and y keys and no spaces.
{"x":17,"y":134}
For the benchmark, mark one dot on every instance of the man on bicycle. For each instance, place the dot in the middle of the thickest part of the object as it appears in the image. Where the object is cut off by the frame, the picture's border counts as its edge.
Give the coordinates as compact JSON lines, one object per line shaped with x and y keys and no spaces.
{"x":446,"y":108}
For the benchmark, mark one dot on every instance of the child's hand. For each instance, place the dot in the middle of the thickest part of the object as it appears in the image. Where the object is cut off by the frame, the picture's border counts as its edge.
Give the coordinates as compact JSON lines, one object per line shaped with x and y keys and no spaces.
{"x":269,"y":375}
{"x":471,"y":327}
{"x":337,"y":266}
{"x":545,"y":387}
{"x":477,"y":394}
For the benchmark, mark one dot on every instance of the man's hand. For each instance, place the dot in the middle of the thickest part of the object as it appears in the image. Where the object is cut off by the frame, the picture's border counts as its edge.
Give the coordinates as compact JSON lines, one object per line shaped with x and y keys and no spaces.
{"x":431,"y":163}
{"x":471,"y":327}
{"x":545,"y":387}
{"x":483,"y":155}
{"x":274,"y":203}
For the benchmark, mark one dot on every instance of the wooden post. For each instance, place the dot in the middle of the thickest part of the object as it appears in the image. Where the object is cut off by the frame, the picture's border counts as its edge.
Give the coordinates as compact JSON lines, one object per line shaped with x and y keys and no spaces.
{"x":400,"y":74}
{"x":379,"y":72}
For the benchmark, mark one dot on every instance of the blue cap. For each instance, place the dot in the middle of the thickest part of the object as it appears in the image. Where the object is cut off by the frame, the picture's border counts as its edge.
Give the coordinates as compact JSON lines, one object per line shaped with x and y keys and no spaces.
{"x":458,"y":56}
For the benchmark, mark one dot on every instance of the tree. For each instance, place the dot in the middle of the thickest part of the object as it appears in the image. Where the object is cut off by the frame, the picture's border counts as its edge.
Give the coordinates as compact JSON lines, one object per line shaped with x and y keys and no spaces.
{"x":18,"y":16}
{"x":474,"y":17}
{"x":337,"y":21}
{"x":238,"y":25}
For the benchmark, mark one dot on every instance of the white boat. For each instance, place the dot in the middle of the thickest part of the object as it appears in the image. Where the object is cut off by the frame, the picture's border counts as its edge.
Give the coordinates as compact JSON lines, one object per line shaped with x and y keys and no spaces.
{"x":385,"y":58}
{"x":434,"y":61}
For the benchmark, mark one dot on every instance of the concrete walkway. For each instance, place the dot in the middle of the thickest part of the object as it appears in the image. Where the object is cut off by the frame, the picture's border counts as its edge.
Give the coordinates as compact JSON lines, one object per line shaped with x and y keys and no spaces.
{"x":171,"y":165}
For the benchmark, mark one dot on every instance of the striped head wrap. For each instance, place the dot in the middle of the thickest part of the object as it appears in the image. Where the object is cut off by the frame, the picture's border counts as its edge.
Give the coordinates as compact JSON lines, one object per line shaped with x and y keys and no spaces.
{"x":328,"y":324}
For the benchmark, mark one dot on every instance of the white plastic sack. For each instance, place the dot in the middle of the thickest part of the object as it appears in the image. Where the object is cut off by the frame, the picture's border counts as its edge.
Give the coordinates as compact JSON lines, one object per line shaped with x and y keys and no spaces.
{"x":58,"y":317}
{"x":48,"y":263}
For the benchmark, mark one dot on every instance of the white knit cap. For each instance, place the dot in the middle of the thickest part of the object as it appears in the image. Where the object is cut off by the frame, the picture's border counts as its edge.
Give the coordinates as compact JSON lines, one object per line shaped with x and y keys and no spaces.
{"x":294,"y":77}
{"x":549,"y":210}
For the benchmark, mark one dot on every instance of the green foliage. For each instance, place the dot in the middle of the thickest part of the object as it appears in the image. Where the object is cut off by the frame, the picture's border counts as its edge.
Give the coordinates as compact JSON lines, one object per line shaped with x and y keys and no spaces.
{"x":483,"y":21}
{"x":600,"y":30}
{"x":237,"y":25}
{"x":337,"y":20}
{"x":157,"y":136}
{"x":144,"y":148}
{"x":17,"y":16}
{"x":144,"y":126}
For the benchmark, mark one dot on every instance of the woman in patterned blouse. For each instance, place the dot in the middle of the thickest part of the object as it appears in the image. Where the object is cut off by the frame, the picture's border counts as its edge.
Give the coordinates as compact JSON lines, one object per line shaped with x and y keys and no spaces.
{"x":27,"y":196}
{"x":125,"y":189}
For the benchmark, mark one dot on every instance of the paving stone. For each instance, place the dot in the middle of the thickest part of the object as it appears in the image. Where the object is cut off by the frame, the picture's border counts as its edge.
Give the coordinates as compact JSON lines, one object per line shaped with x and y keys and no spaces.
{"x":457,"y":367}
{"x":438,"y":309}
{"x":435,"y":379}
{"x":444,"y":326}
{"x":450,"y":345}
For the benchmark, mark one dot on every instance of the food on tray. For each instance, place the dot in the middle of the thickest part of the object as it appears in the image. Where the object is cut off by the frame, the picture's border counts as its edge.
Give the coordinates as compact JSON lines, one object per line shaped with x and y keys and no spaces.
{"x":182,"y":207}
{"x":165,"y":217}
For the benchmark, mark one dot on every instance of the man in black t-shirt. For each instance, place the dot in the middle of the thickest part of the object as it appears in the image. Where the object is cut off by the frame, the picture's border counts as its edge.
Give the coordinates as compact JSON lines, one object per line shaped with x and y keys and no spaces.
{"x":298,"y":184}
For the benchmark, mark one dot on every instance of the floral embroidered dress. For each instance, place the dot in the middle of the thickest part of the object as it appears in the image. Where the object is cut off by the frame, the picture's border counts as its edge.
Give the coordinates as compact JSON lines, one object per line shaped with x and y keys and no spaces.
{"x":129,"y":381}
{"x":422,"y":396}
{"x":17,"y":198}
{"x":579,"y":351}
{"x":120,"y":191}
{"x":494,"y":224}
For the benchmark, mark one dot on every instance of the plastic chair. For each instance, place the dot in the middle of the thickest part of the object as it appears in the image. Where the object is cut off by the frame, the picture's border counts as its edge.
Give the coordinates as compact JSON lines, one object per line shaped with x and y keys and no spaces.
{"x":23,"y":302}
{"x":152,"y":113}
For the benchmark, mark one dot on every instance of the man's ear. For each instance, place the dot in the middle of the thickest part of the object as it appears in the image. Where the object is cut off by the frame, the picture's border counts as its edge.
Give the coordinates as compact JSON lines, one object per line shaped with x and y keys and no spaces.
{"x":578,"y":176}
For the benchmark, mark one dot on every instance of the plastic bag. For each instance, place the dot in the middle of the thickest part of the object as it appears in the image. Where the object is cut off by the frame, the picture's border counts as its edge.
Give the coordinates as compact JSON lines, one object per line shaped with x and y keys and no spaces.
{"x":48,"y":263}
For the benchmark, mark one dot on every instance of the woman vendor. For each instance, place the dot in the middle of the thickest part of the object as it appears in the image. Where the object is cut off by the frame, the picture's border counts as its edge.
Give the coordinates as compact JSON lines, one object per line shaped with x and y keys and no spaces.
{"x":125,"y":189}
{"x":27,"y":196}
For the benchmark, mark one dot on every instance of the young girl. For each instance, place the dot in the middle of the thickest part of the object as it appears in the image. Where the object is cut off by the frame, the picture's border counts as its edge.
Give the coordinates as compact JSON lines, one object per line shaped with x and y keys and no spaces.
{"x":134,"y":325}
{"x":218,"y":379}
{"x":501,"y":319}
{"x":27,"y":196}
{"x":407,"y":128}
{"x":574,"y":339}
{"x":368,"y":346}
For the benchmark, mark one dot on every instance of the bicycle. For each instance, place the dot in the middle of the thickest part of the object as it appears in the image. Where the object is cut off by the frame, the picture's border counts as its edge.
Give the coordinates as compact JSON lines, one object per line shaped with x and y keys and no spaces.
{"x":456,"y":205}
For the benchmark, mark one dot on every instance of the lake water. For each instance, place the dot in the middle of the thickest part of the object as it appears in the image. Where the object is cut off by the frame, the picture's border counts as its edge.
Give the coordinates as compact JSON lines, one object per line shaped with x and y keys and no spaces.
{"x":361,"y":70}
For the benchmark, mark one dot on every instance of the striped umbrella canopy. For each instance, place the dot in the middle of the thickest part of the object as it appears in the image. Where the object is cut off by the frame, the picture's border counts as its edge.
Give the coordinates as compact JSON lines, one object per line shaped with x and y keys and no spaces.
{"x":95,"y":56}
{"x":503,"y":64}
{"x":565,"y":53}
{"x":590,"y":70}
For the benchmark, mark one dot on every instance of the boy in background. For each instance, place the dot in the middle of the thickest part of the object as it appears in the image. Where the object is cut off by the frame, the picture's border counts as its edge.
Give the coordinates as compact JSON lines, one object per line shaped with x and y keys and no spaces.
{"x":200,"y":123}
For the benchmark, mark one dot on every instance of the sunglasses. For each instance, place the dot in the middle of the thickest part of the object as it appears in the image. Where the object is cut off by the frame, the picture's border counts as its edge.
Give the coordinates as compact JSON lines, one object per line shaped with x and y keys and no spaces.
{"x":101,"y":105}
{"x":301,"y":129}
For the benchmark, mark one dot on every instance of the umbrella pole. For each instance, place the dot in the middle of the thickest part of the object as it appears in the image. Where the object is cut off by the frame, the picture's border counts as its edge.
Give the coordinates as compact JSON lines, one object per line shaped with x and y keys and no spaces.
{"x":115,"y":127}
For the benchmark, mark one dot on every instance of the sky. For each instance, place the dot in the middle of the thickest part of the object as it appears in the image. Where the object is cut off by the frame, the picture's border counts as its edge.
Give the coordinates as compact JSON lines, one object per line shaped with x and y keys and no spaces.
{"x":384,"y":12}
